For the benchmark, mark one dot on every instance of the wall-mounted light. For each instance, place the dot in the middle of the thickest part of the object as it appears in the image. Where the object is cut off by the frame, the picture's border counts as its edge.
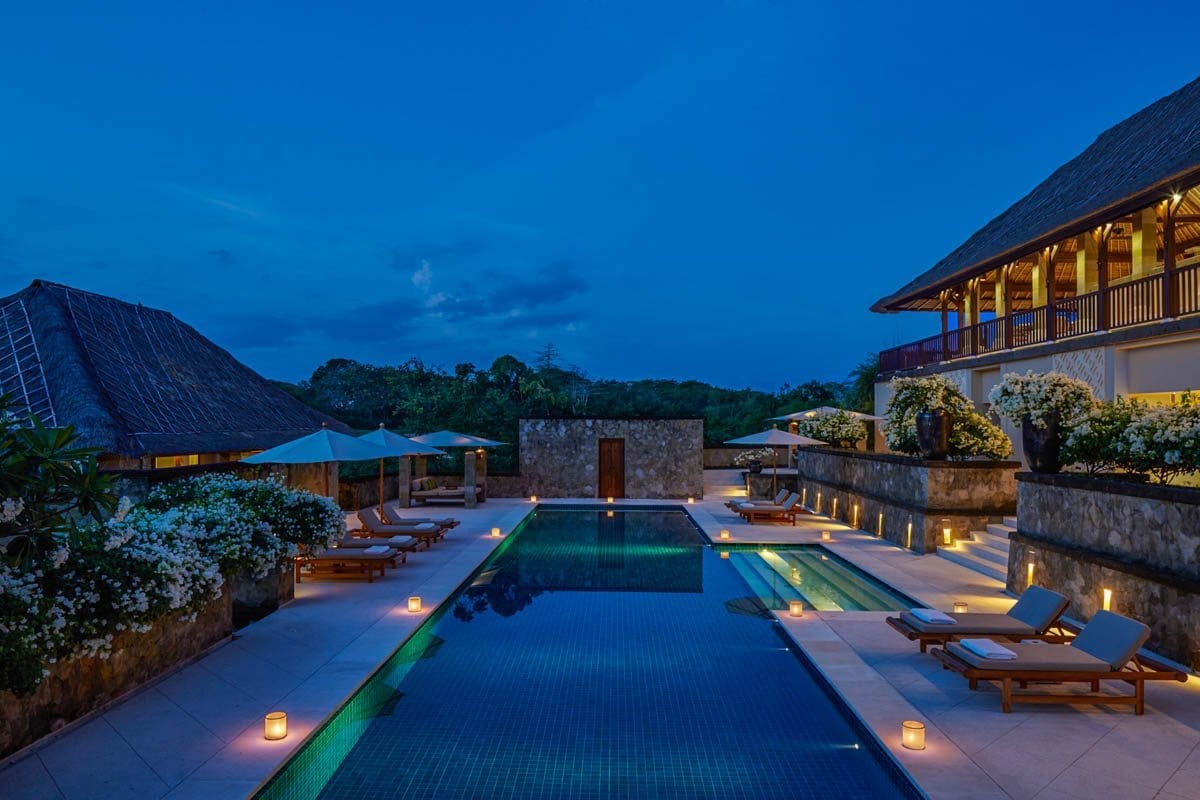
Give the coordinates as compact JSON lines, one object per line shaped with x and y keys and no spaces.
{"x":804,"y":495}
{"x":1029,"y":574}
{"x":817,"y":507}
{"x":947,"y":533}
{"x":796,"y":608}
{"x":908,"y":537}
{"x":854,"y":521}
{"x":879,"y":529}
{"x":912,"y":735}
{"x":414,"y":604}
{"x":275,"y":725}
{"x":1107,"y":604}
{"x":833,"y":509}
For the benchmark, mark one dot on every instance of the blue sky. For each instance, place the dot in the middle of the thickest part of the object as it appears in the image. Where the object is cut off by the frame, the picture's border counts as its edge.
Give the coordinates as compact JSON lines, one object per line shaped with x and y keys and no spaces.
{"x":711,"y":190}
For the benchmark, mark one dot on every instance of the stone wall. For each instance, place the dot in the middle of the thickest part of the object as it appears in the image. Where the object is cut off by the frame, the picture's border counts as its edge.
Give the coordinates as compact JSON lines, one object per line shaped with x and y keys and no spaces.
{"x":1084,"y":535}
{"x":663,"y":457}
{"x":78,"y":686}
{"x":905,"y":500}
{"x":362,"y":492}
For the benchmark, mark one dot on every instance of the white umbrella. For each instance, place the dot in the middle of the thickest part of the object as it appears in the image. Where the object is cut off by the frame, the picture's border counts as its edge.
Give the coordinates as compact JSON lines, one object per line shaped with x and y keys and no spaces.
{"x":775,"y":438}
{"x":398,"y":446}
{"x":822,"y":411}
{"x":319,"y":448}
{"x":452,"y":439}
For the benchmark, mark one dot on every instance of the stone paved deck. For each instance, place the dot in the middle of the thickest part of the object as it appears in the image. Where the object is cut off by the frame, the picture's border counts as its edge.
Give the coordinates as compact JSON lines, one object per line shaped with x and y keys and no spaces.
{"x":197,"y":733}
{"x":974,"y":750}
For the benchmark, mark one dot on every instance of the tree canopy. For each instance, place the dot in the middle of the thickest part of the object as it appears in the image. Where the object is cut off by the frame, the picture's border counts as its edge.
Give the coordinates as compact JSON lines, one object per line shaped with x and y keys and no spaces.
{"x":413,"y":398}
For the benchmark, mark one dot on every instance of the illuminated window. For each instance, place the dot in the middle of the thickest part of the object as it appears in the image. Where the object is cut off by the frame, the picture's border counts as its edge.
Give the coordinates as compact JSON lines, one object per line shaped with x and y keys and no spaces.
{"x":166,"y":462}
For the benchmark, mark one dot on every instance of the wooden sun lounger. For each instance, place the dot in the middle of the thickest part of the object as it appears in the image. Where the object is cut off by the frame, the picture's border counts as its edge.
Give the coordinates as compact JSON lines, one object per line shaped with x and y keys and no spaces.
{"x":348,"y":563}
{"x":403,"y":545}
{"x":1105,"y":650}
{"x":779,"y":498}
{"x":784,"y":513}
{"x":374,"y":528}
{"x":1036,"y":615}
{"x":394,"y":517}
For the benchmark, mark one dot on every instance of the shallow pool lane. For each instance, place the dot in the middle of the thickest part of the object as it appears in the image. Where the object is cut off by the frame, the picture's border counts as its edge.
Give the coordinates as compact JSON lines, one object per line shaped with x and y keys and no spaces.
{"x":599,"y":656}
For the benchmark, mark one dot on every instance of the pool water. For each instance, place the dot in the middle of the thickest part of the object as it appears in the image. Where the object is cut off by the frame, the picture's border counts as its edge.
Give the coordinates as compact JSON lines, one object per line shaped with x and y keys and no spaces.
{"x":595,"y":655}
{"x":821,"y":579}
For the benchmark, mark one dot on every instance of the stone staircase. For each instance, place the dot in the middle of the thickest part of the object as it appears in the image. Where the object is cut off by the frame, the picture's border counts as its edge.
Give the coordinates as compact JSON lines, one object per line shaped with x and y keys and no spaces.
{"x":986,"y":552}
{"x":722,"y":484}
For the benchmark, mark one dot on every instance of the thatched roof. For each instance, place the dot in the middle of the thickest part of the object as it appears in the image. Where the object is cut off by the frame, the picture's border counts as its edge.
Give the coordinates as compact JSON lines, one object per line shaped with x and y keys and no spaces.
{"x":134,"y":380}
{"x":1130,"y":166}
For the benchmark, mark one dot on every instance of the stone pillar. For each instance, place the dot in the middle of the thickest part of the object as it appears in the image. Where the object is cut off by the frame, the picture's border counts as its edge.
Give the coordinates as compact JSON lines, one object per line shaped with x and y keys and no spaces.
{"x":404,"y":482}
{"x":469,"y":481}
{"x":1145,"y":242}
{"x":1087,"y":275}
{"x":481,"y":471}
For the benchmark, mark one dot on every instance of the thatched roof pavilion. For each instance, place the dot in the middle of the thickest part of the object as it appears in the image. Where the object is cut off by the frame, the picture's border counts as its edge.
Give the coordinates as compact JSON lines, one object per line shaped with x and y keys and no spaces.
{"x":135,"y":381}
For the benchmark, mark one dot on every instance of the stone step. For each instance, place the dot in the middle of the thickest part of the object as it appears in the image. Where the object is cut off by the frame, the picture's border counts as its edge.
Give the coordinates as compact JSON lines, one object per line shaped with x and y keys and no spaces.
{"x":1011,"y":522}
{"x":1000,"y":530}
{"x":993,"y":540}
{"x":965,"y":558}
{"x":982,"y":550}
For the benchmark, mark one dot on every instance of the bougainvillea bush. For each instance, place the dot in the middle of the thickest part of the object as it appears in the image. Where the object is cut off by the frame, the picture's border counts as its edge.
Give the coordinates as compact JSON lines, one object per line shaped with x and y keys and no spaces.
{"x":971,"y":433}
{"x":836,"y":428}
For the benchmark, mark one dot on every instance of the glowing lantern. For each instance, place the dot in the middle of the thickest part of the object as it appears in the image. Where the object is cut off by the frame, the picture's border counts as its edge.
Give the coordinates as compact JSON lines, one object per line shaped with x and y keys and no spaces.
{"x":796,"y":608}
{"x":724,"y":533}
{"x":533,"y":498}
{"x":495,"y":533}
{"x":960,"y":607}
{"x":275,"y":725}
{"x":826,"y":536}
{"x":414,"y":604}
{"x":912,"y":735}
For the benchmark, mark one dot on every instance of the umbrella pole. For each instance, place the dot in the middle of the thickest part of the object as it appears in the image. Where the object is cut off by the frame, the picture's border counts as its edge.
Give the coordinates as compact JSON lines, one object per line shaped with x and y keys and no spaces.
{"x":774,"y":472}
{"x":382,"y":518}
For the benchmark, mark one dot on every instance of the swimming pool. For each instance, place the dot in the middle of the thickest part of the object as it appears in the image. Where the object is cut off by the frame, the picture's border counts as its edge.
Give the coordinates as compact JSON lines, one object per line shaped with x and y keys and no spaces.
{"x":820,"y":578}
{"x":595,"y":654}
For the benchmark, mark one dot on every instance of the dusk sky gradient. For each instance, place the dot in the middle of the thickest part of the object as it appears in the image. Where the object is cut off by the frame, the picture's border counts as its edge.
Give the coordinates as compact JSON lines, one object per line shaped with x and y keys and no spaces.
{"x":709,"y":190}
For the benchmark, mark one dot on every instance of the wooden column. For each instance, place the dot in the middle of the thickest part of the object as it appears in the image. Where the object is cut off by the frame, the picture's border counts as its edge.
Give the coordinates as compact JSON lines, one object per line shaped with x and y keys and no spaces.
{"x":1048,"y":276}
{"x":1004,"y":290}
{"x":1170,"y":298}
{"x":945,"y":302}
{"x":973,"y":313}
{"x":1101,"y":235}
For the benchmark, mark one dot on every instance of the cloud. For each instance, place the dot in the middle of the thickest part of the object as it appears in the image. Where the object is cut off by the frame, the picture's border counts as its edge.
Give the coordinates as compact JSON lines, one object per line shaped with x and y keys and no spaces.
{"x":222,"y":256}
{"x":551,"y":284}
{"x":423,"y":277}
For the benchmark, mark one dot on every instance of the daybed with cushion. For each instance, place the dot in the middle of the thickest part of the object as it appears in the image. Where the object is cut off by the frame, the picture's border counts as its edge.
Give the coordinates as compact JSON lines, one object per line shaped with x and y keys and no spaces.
{"x":737,"y":502}
{"x":395,"y":517}
{"x":772,"y":513}
{"x":349,"y":563}
{"x":426,"y":490}
{"x":1105,"y":650}
{"x":428,"y":532}
{"x":1036,"y":615}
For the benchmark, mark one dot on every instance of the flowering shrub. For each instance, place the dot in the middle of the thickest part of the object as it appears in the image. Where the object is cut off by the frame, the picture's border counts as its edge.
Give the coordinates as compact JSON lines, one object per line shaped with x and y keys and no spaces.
{"x":835,"y":428}
{"x":746,"y":456}
{"x":1039,"y":395}
{"x":971,"y":433}
{"x":1163,"y":441}
{"x":1095,"y":441}
{"x":251,"y":525}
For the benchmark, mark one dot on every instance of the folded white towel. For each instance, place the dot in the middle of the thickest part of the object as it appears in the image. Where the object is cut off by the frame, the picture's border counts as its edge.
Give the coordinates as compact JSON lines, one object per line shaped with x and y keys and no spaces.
{"x":933,"y":616}
{"x":986,"y":648}
{"x":377,"y":549}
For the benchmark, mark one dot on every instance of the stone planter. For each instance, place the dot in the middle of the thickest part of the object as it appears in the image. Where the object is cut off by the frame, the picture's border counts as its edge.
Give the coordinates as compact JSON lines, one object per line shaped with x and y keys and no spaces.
{"x":1042,"y":445}
{"x":255,"y":598}
{"x":933,"y":434}
{"x":755,"y":467}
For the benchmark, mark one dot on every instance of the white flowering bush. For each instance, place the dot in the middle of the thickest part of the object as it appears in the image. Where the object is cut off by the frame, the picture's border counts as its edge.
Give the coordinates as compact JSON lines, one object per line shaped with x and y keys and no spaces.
{"x":971,"y":433}
{"x":1039,"y":395}
{"x":1095,"y":442}
{"x":835,"y":428}
{"x":746,"y":456}
{"x":252,"y":525}
{"x":1162,"y":441}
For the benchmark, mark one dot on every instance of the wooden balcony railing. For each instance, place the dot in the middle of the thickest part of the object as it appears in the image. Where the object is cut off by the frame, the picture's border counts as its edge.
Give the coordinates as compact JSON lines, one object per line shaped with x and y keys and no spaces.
{"x":1130,"y":303}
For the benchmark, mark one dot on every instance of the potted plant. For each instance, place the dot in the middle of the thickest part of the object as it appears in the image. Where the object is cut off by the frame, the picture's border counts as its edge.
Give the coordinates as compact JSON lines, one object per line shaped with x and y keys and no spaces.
{"x":752,"y":459}
{"x":932,"y":418}
{"x":1047,"y":406}
{"x":840,"y":429}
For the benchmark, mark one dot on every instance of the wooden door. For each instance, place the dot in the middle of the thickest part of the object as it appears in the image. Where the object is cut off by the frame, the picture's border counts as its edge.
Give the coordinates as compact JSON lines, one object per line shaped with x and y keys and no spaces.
{"x":612,"y":468}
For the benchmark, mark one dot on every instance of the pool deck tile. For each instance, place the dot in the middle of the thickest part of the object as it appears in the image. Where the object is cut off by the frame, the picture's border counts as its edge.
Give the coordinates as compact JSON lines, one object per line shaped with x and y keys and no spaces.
{"x":197,"y":732}
{"x":973,"y":749}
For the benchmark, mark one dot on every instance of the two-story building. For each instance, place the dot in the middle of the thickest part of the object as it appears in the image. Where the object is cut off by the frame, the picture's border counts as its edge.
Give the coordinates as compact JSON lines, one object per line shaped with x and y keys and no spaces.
{"x":1095,"y":273}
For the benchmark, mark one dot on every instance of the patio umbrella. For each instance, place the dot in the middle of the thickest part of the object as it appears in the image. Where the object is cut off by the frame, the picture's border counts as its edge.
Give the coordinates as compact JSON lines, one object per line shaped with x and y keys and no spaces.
{"x":821,"y":411}
{"x":319,"y":448}
{"x":452,"y":439}
{"x":398,"y":446}
{"x":775,"y":438}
